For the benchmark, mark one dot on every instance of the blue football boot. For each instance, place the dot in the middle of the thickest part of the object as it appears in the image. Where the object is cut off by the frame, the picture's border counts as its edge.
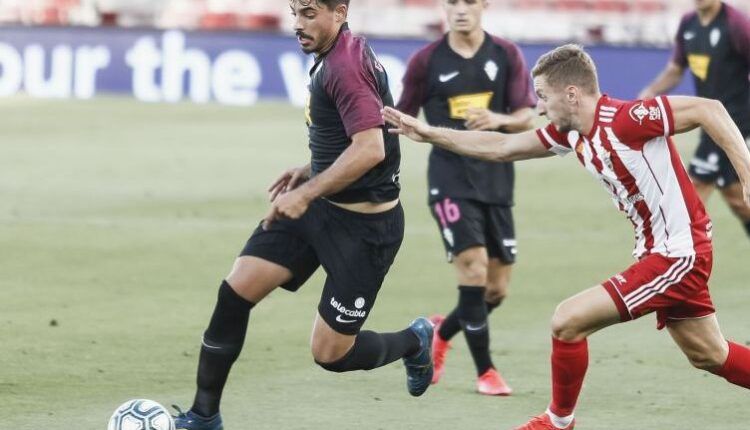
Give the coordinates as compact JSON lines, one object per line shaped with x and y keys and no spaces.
{"x":191,"y":421}
{"x":419,"y":367}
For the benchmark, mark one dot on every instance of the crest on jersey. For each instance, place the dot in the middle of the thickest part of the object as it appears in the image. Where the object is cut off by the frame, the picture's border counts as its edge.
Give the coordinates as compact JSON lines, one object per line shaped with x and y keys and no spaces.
{"x":714,"y":37}
{"x":638,"y":113}
{"x":491,"y":69}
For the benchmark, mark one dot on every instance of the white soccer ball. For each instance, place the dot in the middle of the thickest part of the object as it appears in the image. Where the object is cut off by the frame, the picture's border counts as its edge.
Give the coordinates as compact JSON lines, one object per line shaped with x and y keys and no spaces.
{"x":141,"y":414}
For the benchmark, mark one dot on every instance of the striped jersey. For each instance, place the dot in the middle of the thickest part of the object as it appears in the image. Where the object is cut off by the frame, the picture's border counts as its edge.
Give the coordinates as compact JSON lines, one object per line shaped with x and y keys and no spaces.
{"x":630,"y":151}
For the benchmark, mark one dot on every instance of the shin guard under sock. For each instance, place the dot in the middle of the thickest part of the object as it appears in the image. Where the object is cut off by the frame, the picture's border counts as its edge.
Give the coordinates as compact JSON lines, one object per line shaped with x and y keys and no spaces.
{"x":570,"y":360}
{"x":222,"y":343}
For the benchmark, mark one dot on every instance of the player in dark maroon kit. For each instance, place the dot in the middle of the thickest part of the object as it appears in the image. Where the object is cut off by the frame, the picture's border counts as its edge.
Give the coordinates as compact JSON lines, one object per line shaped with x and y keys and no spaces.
{"x":714,"y":43}
{"x":471,"y":80}
{"x":341,"y":211}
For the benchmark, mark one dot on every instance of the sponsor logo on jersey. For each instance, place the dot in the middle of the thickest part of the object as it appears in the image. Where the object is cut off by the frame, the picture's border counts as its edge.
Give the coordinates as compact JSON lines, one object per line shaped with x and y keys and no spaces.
{"x":351,"y":313}
{"x":448,"y":235}
{"x":491,"y":69}
{"x":714,"y":37}
{"x":621,"y":279}
{"x":459,"y":105}
{"x":638,"y":113}
{"x":689,"y":35}
{"x":448,"y":76}
{"x":699,"y":64}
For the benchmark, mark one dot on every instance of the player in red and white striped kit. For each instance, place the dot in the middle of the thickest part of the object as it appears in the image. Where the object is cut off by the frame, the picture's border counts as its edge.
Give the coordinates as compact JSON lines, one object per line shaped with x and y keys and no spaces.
{"x":628,"y":148}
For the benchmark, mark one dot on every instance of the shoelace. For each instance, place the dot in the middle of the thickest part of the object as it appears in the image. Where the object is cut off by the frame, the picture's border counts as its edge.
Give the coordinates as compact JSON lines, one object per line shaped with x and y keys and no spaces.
{"x":180,"y":414}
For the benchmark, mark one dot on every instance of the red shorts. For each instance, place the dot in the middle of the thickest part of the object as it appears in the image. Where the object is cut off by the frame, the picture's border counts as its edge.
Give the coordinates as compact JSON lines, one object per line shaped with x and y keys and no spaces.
{"x":674,"y":288}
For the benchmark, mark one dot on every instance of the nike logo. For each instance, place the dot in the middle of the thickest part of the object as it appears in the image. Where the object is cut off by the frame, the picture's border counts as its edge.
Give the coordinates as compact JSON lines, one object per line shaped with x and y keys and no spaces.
{"x":210,"y":346}
{"x":447,"y":77}
{"x":476,"y":328}
{"x":689,"y":35}
{"x":341,"y":320}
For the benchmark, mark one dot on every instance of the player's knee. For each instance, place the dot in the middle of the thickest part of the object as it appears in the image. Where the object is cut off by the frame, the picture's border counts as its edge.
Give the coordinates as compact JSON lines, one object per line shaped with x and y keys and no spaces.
{"x":327,"y":352}
{"x":567,"y":324}
{"x":473,"y":272}
{"x":495,"y":296}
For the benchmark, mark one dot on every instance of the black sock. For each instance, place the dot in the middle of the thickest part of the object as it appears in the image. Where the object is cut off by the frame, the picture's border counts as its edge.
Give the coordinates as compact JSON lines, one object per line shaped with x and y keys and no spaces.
{"x":450,"y":326}
{"x":372,"y":350}
{"x":473,"y":318}
{"x":222,"y":343}
{"x":747,"y":227}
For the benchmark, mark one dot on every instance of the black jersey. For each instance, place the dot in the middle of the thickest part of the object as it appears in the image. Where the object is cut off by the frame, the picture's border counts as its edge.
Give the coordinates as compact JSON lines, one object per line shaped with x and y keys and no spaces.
{"x":348,"y":89}
{"x":446,"y":85}
{"x":718,"y":56}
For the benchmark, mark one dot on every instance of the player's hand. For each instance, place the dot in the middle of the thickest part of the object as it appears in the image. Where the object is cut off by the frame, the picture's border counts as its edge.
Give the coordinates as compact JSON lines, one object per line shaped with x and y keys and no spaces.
{"x":485,"y":120}
{"x":407,"y":125}
{"x":292,"y":204}
{"x":288,"y":181}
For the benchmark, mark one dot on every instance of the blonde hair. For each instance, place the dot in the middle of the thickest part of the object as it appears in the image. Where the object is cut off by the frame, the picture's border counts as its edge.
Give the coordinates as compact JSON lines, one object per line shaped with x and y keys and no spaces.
{"x":568,"y":65}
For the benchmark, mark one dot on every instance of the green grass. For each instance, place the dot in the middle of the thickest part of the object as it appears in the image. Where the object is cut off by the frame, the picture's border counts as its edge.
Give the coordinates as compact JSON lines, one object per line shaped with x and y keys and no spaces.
{"x":118,"y":220}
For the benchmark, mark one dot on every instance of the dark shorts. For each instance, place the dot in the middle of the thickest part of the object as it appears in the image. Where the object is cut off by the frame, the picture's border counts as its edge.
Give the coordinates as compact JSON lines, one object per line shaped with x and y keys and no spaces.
{"x":356,"y":250}
{"x":711,"y":165}
{"x":466,"y":224}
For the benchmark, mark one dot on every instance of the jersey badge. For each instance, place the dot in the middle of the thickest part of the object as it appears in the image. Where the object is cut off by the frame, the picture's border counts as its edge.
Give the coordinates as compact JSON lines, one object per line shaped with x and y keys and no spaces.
{"x":714,"y":37}
{"x":491,"y":69}
{"x":638,"y":113}
{"x":699,"y":65}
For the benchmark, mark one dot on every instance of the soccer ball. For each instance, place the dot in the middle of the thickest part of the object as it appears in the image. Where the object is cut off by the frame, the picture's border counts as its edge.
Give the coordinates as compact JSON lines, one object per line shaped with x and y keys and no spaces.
{"x":141,"y":414}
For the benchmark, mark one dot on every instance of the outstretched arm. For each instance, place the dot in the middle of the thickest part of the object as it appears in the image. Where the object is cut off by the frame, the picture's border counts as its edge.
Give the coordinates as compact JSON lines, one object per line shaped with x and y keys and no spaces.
{"x":712,"y":116}
{"x":484,"y":145}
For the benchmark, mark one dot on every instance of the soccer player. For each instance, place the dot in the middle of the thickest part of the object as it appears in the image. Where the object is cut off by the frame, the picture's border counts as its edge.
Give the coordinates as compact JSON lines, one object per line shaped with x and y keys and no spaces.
{"x":627,"y":146}
{"x":471,"y":80}
{"x":341,"y":211}
{"x":714,"y":43}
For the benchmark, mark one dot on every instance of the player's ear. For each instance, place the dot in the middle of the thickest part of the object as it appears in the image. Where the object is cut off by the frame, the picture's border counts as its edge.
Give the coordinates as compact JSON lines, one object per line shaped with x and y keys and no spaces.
{"x":571,"y":94}
{"x":340,"y":13}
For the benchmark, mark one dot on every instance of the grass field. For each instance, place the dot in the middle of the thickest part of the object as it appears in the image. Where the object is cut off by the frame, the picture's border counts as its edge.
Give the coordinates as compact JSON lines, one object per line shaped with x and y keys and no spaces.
{"x":118,"y":220}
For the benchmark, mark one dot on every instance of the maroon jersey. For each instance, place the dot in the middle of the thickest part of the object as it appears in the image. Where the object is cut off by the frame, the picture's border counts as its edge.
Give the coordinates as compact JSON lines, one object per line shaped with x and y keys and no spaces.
{"x":718,"y":55}
{"x":348,"y":89}
{"x":446,"y":85}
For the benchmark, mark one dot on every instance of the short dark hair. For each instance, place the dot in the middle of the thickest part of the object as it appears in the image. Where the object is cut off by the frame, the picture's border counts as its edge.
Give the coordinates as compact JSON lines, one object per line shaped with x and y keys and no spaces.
{"x":330,"y":4}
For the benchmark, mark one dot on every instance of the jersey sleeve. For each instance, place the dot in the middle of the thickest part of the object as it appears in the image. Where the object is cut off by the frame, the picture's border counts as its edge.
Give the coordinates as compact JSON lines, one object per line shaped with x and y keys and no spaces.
{"x":553,"y":140}
{"x":637,"y":122}
{"x":354,"y":90}
{"x":518,"y":86}
{"x":415,"y":85}
{"x":739,"y":30}
{"x":679,"y":56}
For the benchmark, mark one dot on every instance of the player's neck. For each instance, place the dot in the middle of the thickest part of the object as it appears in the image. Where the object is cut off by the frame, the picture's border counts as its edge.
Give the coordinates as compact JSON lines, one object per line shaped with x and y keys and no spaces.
{"x":466,"y":44}
{"x":587,"y":113}
{"x":706,"y":16}
{"x":329,"y":44}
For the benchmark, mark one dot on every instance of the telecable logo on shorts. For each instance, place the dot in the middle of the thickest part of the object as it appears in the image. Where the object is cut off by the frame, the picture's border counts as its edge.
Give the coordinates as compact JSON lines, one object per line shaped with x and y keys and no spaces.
{"x":352,"y":313}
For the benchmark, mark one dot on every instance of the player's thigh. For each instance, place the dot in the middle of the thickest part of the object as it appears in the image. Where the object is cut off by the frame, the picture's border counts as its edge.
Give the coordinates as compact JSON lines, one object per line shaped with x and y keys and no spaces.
{"x":277,"y":256}
{"x":584,"y":314}
{"x":701,"y":340}
{"x":357,"y":251}
{"x":461,"y":223}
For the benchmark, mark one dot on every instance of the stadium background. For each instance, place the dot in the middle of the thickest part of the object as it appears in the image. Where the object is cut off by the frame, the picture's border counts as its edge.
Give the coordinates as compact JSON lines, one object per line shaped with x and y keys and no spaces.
{"x":118,"y":218}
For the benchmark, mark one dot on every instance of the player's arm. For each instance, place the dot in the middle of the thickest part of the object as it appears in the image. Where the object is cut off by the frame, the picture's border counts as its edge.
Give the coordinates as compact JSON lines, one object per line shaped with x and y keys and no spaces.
{"x":485,"y":145}
{"x":712,"y":116}
{"x":366,"y":151}
{"x":667,"y":80}
{"x":486,"y":120}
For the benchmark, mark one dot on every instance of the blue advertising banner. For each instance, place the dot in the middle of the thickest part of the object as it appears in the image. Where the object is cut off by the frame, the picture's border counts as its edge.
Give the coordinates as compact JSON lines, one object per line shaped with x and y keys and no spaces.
{"x":227,"y":68}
